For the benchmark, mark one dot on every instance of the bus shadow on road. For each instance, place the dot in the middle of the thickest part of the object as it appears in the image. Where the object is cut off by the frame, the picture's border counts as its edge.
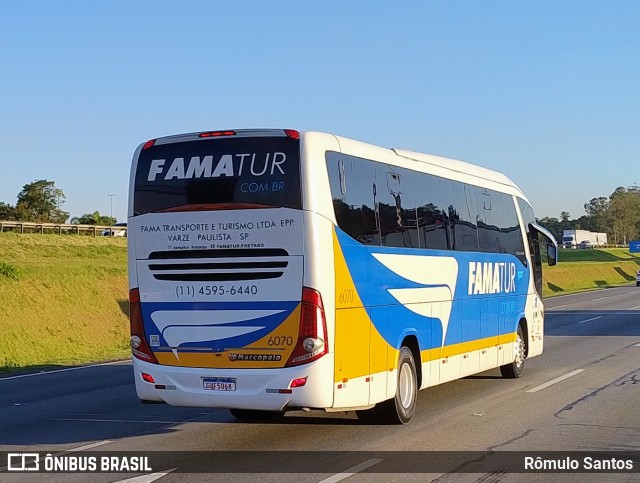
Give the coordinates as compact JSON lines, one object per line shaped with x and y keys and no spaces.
{"x":585,"y":323}
{"x":314,"y":418}
{"x":484,"y":376}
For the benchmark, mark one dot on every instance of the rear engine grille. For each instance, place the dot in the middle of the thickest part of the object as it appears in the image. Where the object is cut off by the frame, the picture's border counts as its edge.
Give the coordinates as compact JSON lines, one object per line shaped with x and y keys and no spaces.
{"x":227,"y":271}
{"x":220,"y":253}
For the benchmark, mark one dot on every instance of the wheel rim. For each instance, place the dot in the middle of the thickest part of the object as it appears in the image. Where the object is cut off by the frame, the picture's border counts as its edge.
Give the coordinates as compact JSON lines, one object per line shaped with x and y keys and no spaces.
{"x":406,"y":388}
{"x":519,"y":351}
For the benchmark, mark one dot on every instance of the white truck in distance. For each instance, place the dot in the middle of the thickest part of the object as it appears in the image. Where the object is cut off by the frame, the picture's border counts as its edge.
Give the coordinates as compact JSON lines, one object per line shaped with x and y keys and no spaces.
{"x":574,"y":239}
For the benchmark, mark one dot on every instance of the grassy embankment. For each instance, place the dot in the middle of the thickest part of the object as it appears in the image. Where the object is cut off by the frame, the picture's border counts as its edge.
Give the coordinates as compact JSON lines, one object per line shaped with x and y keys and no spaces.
{"x":580,"y":270}
{"x":63,"y":299}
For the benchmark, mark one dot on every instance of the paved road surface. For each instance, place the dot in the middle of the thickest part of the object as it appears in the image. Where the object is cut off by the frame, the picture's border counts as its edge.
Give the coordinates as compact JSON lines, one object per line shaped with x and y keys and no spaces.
{"x":581,"y":394}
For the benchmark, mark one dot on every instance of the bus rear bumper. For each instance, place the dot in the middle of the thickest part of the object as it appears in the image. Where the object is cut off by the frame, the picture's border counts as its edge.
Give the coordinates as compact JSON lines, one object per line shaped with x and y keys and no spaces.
{"x":261,"y":389}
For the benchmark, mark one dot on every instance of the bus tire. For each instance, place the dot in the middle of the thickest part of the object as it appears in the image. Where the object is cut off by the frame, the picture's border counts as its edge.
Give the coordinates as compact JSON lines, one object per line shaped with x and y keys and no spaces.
{"x":255,"y":415}
{"x":514,"y":369}
{"x":402,"y":407}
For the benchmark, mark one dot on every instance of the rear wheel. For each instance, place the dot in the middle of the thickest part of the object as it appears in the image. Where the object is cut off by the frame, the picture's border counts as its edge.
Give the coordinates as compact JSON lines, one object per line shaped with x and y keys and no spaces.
{"x":255,"y":414}
{"x":402,"y":407}
{"x":514,"y":369}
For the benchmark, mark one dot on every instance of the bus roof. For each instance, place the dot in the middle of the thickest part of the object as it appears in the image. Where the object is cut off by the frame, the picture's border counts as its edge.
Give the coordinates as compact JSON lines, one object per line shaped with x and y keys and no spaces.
{"x":457,"y":165}
{"x":441,"y":163}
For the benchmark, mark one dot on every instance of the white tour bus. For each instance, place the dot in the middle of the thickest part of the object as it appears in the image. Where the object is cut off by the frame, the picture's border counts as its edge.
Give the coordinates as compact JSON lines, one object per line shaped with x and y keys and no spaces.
{"x":273,"y":270}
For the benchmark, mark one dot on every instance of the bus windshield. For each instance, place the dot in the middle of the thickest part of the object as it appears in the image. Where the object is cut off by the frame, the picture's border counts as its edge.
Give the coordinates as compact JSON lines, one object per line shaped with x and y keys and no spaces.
{"x":250,"y":172}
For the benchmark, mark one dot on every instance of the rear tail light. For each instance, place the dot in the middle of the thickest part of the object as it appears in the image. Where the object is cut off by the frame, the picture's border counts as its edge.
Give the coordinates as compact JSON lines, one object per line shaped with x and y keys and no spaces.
{"x":301,"y":381}
{"x":139,"y":345}
{"x":148,"y":144}
{"x":312,"y":336}
{"x":292,"y":133}
{"x":148,"y":378}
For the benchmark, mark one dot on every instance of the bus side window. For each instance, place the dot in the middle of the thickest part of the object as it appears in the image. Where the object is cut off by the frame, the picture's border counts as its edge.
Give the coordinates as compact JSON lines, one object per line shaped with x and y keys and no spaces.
{"x":432,"y":212}
{"x":354,"y":208}
{"x":510,"y":228}
{"x":534,"y":244}
{"x":343,"y":178}
{"x":396,"y":208}
{"x":489,"y":234}
{"x":463,"y":213}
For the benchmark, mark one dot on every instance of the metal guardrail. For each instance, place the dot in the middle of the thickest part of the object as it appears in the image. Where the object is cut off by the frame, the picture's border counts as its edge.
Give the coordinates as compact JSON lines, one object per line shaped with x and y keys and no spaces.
{"x":30,"y":227}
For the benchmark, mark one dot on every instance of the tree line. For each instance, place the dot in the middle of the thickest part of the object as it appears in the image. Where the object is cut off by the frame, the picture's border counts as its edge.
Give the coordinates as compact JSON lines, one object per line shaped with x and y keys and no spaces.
{"x":617,"y":215}
{"x":41,"y":202}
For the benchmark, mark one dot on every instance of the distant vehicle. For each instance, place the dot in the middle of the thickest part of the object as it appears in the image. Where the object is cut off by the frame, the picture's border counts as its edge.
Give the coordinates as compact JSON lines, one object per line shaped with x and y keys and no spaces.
{"x":573,"y":238}
{"x":273,"y":270}
{"x":119,"y":229}
{"x":585,"y":244}
{"x":638,"y":279}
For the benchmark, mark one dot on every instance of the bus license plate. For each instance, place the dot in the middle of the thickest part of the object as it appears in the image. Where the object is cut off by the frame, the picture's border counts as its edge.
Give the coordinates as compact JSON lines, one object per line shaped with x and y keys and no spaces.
{"x":219,"y":383}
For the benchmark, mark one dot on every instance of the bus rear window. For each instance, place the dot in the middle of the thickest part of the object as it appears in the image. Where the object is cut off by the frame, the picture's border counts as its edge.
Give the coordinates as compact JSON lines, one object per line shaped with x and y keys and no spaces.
{"x":204,"y":174}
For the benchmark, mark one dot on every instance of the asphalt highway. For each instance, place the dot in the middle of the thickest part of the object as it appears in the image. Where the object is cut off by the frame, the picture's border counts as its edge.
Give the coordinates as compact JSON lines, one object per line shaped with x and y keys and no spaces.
{"x":582,"y":394}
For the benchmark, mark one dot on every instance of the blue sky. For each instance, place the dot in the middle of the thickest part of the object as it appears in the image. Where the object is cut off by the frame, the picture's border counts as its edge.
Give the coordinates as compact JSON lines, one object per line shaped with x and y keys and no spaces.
{"x":546,"y":91}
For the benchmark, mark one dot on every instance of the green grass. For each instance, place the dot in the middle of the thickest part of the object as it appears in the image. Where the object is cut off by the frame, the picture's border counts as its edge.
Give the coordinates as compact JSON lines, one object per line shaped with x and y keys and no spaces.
{"x":598,"y":255}
{"x":8,"y":271}
{"x":67,"y":303}
{"x":580,"y":270}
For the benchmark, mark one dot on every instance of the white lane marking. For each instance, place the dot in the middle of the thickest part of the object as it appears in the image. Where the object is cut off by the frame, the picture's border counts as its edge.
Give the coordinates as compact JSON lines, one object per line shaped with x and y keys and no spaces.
{"x":637,"y":345}
{"x":599,"y":298}
{"x":63,"y":370}
{"x":90,"y":420}
{"x":589,"y":320}
{"x":557,"y":306}
{"x":88,"y":446}
{"x":635,"y":308}
{"x":609,"y":290}
{"x":147,"y":478}
{"x":555,"y":381}
{"x":352,"y":471}
{"x":73,"y":450}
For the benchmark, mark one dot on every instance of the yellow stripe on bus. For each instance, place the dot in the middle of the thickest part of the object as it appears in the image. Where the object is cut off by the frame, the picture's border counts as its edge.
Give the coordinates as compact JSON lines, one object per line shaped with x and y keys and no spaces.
{"x":466,"y":347}
{"x":359,"y":348}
